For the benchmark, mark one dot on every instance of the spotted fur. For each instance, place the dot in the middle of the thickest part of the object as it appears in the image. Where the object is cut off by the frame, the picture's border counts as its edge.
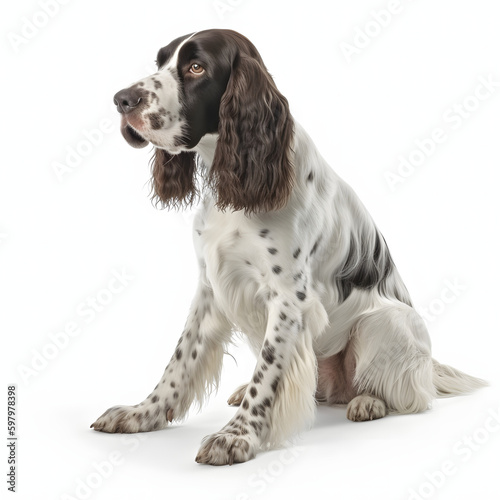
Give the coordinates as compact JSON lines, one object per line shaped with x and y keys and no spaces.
{"x":288,"y":255}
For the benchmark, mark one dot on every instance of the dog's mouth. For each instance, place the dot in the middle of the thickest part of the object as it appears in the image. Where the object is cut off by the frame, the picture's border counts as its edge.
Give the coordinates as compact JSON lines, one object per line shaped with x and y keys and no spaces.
{"x":132,"y":136}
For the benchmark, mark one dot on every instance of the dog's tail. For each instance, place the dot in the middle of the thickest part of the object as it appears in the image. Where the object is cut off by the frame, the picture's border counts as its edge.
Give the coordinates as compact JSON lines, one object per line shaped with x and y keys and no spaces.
{"x":449,"y":381}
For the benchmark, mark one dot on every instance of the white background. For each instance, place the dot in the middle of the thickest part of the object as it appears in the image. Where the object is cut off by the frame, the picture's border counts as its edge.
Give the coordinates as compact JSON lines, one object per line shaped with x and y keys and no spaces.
{"x":61,"y":239}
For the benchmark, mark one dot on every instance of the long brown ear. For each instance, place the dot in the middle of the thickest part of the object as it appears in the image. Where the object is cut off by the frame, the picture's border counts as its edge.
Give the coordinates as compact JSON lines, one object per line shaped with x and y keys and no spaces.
{"x":252,"y":170}
{"x":173,"y":179}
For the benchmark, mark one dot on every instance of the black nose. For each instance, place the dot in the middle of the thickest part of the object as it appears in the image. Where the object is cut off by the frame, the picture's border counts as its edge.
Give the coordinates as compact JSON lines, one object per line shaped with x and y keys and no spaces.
{"x":126,"y":100}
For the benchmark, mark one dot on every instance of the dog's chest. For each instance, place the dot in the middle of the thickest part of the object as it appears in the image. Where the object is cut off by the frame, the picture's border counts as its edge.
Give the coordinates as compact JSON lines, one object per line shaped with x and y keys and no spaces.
{"x":234,"y":257}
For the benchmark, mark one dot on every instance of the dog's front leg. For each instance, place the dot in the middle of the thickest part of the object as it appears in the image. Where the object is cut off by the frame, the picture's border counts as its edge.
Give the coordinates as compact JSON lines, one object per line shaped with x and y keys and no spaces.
{"x":280,"y":397}
{"x":193,"y":369}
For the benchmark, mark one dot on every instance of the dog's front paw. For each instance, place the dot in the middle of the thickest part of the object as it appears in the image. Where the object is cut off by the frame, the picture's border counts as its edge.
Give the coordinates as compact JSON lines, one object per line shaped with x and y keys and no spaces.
{"x":130,"y":419}
{"x":224,"y":448}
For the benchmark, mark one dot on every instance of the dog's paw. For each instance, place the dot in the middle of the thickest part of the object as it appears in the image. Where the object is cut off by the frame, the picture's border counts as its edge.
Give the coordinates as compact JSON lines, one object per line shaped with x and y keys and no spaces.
{"x":366,"y":407}
{"x":237,"y":397}
{"x":224,"y":448}
{"x":130,"y":419}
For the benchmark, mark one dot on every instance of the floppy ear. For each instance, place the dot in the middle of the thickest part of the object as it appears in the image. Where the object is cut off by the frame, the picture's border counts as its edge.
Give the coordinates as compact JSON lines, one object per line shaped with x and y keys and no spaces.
{"x":252,"y":170}
{"x":173,"y":179}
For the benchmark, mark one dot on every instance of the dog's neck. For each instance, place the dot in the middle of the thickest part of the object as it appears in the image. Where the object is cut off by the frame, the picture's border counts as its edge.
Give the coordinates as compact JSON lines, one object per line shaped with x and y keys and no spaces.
{"x":302,"y":143}
{"x":206,"y":148}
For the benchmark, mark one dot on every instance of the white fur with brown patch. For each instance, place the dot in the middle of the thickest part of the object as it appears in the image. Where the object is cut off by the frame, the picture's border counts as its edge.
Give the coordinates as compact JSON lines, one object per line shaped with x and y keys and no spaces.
{"x":312,"y":281}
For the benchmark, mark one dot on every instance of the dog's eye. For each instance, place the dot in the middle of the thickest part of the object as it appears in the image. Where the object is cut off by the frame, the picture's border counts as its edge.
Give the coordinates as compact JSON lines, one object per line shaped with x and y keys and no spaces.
{"x":196,"y":69}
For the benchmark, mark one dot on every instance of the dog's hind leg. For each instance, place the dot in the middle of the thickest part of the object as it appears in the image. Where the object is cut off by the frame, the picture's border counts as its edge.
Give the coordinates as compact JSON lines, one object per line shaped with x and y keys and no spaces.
{"x":392,"y":351}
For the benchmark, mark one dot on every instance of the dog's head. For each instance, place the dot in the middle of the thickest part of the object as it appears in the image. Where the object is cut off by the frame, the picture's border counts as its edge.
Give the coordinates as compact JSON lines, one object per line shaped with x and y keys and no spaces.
{"x":212,"y":82}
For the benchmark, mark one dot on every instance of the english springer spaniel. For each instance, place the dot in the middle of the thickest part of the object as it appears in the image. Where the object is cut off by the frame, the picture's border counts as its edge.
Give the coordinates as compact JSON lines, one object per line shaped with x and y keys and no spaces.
{"x":287,"y":253}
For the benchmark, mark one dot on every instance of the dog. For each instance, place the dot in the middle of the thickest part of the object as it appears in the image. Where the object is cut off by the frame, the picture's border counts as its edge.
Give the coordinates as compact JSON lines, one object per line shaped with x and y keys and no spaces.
{"x":287,"y":254}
